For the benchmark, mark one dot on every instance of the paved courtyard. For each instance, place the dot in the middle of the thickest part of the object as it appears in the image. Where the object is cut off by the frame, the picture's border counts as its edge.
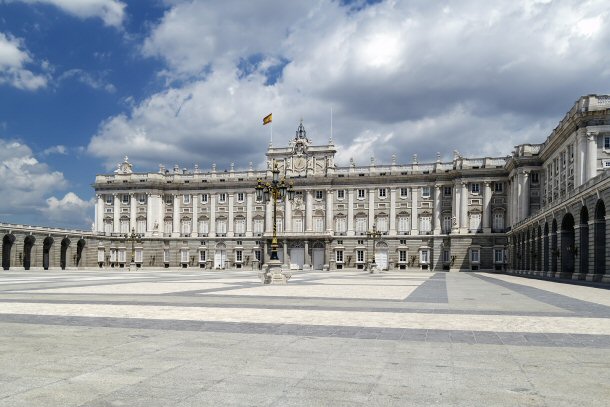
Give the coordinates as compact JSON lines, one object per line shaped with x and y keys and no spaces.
{"x":191,"y":338}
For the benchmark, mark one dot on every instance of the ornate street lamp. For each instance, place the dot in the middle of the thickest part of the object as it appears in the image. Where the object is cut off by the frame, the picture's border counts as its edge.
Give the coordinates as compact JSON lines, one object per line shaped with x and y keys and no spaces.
{"x":275,"y":190}
{"x":133,"y":237}
{"x":374,"y":234}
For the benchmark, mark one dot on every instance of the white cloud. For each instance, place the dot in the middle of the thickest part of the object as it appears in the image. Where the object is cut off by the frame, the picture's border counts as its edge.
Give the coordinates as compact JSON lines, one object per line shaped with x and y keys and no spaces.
{"x":95,"y":81}
{"x":13,"y":60}
{"x":68,"y":210}
{"x":111,"y":12}
{"x":475,"y":76}
{"x":58,"y":149}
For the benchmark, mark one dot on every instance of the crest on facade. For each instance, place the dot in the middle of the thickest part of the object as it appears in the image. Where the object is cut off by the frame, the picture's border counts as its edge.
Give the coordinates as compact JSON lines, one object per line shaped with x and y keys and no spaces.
{"x":124,"y":167}
{"x":301,"y":142}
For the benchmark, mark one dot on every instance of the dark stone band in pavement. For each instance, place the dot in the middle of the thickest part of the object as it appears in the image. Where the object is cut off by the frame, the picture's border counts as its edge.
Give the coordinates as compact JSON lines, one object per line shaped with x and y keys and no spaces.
{"x":397,"y":334}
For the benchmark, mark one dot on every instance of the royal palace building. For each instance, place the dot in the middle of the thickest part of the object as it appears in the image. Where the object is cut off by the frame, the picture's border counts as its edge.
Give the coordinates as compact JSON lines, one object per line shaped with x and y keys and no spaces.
{"x":540,"y":210}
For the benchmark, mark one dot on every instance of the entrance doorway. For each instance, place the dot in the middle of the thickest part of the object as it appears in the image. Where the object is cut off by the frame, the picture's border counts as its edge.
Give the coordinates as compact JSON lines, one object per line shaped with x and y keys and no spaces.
{"x":317,"y":258}
{"x":297,"y":257}
{"x":220,"y":256}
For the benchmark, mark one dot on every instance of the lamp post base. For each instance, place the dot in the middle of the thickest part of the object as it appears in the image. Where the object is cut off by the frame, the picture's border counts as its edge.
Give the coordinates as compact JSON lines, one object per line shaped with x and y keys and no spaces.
{"x":273,"y":273}
{"x":374,"y":268}
{"x":132,"y":266}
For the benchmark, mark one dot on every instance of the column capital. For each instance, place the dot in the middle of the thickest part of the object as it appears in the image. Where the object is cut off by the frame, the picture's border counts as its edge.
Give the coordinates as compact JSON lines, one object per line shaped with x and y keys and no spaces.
{"x":591,"y":136}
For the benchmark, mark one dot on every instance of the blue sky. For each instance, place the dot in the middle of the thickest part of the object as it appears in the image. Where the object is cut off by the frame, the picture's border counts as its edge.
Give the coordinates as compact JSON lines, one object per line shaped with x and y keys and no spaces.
{"x":85,"y":82}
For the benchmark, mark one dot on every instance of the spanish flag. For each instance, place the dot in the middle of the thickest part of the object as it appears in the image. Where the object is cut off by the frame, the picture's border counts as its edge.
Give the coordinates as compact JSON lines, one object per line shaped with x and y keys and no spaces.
{"x":268,"y":119}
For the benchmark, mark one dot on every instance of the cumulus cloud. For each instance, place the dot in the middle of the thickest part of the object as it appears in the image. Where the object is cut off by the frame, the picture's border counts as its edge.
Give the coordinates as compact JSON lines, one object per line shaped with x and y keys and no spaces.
{"x":111,"y":12}
{"x":58,"y":149}
{"x":402,"y":77}
{"x":14,"y":59}
{"x":26,"y":184}
{"x":69,"y":210}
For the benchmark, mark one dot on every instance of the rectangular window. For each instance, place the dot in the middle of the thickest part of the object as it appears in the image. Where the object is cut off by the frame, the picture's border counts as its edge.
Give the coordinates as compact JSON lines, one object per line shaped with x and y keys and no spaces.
{"x":360,"y":242}
{"x":258,"y":226}
{"x":222,"y":197}
{"x":361,"y":193}
{"x":240,"y":197}
{"x":475,"y":188}
{"x":425,"y":192}
{"x":138,"y":255}
{"x":535,"y":178}
{"x":341,"y":194}
{"x":498,"y":256}
{"x":359,"y":256}
{"x":447,"y":224}
{"x":221,"y":226}
{"x":204,"y":226}
{"x":424,"y":256}
{"x":185,"y":227}
{"x":499,"y":187}
{"x":382,"y":224}
{"x":340,"y":225}
{"x":240,"y":226}
{"x":361,"y":224}
{"x":112,"y":255}
{"x":404,"y":192}
{"x":339,"y":256}
{"x":498,"y":221}
{"x":318,"y":224}
{"x":403,"y":224}
{"x":204,"y":198}
{"x":297,"y":224}
{"x":184,"y":255}
{"x":475,"y":221}
{"x":279,"y":225}
{"x":402,"y":256}
{"x":446,"y":256}
{"x":475,"y":255}
{"x":257,"y":255}
{"x":108,"y":199}
{"x":122,"y":256}
{"x":100,"y":255}
{"x":425,"y":224}
{"x":319,"y":195}
{"x":383,"y":192}
{"x":607,"y":143}
{"x":142,"y":199}
{"x":141,"y":226}
{"x":165,"y":255}
{"x":124,"y":224}
{"x":239,"y":255}
{"x":186,"y":199}
{"x":125,"y":199}
{"x":447,"y":191}
{"x":169,"y":200}
{"x":202,"y":256}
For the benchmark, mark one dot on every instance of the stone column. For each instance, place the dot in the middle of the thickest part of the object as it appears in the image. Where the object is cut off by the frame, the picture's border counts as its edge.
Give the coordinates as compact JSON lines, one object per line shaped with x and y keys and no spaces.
{"x":248,"y":214}
{"x":307,"y":256}
{"x":285,"y":250}
{"x":195,"y":223}
{"x":392,"y":211}
{"x":525,"y":195}
{"x":287,"y":216}
{"x":212,"y":227}
{"x":309,"y":211}
{"x":117,"y":213}
{"x":580,"y":158}
{"x":414,"y":219}
{"x":329,"y":211}
{"x":150,"y":222}
{"x":464,"y":207}
{"x":371,"y":208}
{"x":99,"y":213}
{"x":486,"y":207}
{"x":592,"y":154}
{"x":455,"y":208}
{"x":160,"y":212}
{"x":132,"y":211}
{"x":176,"y":217}
{"x":437,"y":209}
{"x":350,"y":212}
{"x":230,"y":217}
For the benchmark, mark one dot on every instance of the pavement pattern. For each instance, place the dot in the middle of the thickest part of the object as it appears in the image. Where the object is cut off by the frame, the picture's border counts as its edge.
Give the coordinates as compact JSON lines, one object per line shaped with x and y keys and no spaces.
{"x":197,"y":338}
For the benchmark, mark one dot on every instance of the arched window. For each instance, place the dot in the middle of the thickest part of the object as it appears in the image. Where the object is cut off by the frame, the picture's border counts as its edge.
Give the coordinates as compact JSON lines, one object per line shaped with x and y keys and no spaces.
{"x":404,"y":225}
{"x":141,"y":225}
{"x":340,"y":224}
{"x":185,"y":226}
{"x":124,"y":224}
{"x":204,"y":225}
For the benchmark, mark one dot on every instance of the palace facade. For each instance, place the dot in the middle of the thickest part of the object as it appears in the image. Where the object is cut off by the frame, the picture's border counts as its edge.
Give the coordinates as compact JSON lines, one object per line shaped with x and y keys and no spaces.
{"x":540,"y":210}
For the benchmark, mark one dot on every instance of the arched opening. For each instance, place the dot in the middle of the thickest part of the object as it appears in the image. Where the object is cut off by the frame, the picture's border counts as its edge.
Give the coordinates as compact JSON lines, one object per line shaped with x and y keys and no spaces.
{"x":568,"y":248}
{"x":220,"y":256}
{"x":554,"y":250}
{"x":46,"y":252}
{"x":599,"y":237}
{"x":539,"y":249}
{"x":7,"y":244}
{"x":80,"y":245}
{"x":545,"y":243}
{"x":28,"y":243}
{"x":317,"y":255}
{"x":63,"y":258}
{"x":583,"y":253}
